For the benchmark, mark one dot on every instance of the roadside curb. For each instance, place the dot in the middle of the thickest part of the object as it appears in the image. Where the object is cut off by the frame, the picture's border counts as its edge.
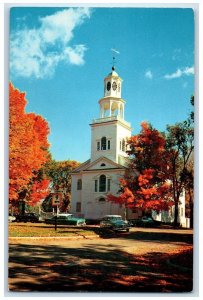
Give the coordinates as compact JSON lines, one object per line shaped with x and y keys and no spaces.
{"x":53,"y":237}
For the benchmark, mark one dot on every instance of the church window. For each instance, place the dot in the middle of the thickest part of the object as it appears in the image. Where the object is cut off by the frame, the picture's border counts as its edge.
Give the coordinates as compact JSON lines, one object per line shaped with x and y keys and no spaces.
{"x":103,"y":143}
{"x":79,"y":184}
{"x":102,"y":199}
{"x":108,"y":145}
{"x":108,"y":185}
{"x":123,"y":145}
{"x":78,"y":206}
{"x":98,"y":146}
{"x":95,"y":185}
{"x":102,"y":183}
{"x":103,"y":165}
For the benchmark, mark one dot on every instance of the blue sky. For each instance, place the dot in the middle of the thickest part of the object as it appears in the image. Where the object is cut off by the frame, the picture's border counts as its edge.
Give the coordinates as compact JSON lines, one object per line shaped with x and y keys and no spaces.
{"x":60,"y":57}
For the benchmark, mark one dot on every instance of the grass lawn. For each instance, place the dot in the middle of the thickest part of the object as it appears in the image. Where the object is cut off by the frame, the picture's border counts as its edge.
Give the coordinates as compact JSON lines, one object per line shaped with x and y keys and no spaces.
{"x":46,"y":230}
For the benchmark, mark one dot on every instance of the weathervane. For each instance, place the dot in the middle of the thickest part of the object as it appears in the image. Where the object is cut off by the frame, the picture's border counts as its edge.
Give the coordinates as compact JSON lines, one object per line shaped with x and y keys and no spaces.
{"x":117,"y":52}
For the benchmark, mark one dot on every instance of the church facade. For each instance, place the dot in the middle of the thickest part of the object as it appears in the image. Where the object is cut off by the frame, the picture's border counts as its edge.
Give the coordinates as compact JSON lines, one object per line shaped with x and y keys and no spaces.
{"x":98,"y":176}
{"x":95,"y":178}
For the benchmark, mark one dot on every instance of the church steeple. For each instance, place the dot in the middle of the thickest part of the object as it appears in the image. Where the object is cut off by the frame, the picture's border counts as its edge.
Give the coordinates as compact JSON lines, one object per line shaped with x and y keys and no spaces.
{"x":112,"y":104}
{"x":110,"y":131}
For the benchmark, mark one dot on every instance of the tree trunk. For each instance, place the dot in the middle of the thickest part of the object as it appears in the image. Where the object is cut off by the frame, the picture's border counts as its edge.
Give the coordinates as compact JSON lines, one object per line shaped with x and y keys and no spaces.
{"x":175,"y":198}
{"x":22,"y":207}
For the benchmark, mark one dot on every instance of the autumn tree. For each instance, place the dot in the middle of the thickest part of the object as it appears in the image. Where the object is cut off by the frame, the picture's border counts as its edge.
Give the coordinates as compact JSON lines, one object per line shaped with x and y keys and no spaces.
{"x":145,"y":180}
{"x":180,"y":146}
{"x":161,"y":166}
{"x":126,"y":197}
{"x":59,"y":174}
{"x":28,"y":147}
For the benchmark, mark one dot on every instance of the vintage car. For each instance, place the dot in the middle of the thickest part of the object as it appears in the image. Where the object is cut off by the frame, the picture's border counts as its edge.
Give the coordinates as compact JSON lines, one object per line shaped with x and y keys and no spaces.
{"x":66,"y":219}
{"x":27,"y":217}
{"x":115,"y":223}
{"x":146,"y":222}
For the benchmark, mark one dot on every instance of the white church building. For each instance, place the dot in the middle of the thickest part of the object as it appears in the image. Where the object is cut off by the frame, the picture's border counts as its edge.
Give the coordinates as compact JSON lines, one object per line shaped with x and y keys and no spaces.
{"x":98,"y":176}
{"x":95,"y":178}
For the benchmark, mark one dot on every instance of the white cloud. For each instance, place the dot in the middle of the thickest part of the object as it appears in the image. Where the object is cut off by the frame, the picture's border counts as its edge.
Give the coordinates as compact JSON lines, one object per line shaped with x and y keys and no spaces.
{"x":75,"y":55}
{"x":37,"y":52}
{"x":189,"y":71}
{"x":179,"y":73}
{"x":148,"y":74}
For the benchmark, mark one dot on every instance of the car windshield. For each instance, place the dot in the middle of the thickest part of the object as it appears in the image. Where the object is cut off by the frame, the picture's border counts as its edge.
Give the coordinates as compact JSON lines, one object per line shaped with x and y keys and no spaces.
{"x":112,"y":218}
{"x":65,"y":216}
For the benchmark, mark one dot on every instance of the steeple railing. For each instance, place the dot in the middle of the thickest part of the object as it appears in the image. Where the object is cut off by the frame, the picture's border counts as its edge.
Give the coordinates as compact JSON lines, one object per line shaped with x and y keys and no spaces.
{"x":111,"y":118}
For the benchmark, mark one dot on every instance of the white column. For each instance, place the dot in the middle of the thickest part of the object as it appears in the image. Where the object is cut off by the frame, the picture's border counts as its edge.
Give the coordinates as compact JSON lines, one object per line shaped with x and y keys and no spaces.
{"x":110,"y":105}
{"x":100,"y":111}
{"x":121,"y":114}
{"x":119,"y":110}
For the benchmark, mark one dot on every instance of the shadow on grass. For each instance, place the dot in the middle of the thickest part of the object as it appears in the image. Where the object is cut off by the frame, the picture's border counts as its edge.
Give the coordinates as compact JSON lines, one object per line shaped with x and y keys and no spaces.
{"x":103,"y":268}
{"x":159,"y":236}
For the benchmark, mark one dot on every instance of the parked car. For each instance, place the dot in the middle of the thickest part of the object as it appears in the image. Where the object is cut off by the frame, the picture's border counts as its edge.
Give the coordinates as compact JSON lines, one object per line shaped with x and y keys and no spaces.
{"x":146,"y":222}
{"x":66,"y":219}
{"x":115,"y":223}
{"x":28,"y":217}
{"x":11,"y":218}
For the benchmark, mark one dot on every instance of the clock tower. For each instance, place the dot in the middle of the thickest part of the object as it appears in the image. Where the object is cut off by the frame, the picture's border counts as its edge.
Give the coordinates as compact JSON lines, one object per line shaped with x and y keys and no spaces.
{"x":110,"y":131}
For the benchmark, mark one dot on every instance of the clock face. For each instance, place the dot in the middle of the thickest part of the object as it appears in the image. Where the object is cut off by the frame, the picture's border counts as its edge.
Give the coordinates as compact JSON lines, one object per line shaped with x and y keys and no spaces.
{"x":114,"y":86}
{"x":108,"y":87}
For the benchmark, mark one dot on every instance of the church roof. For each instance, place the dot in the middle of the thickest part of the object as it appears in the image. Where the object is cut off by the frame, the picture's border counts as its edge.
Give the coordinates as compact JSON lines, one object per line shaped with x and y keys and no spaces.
{"x":113,"y":73}
{"x":108,"y":164}
{"x":82,"y":166}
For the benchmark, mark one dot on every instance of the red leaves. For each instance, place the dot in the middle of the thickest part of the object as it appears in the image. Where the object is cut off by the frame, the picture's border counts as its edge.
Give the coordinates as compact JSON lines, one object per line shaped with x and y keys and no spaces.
{"x":39,"y":190}
{"x":145,"y":184}
{"x":28,"y":143}
{"x":126,"y":198}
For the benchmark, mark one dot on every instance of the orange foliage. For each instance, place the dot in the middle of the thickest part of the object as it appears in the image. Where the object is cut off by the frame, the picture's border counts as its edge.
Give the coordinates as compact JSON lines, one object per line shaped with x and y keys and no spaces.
{"x":28,"y":143}
{"x":39,"y":190}
{"x":126,"y":198}
{"x":145,"y":183}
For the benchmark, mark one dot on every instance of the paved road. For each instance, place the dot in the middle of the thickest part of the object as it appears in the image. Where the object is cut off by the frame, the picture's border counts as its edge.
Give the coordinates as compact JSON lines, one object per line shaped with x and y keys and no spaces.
{"x":144,"y":260}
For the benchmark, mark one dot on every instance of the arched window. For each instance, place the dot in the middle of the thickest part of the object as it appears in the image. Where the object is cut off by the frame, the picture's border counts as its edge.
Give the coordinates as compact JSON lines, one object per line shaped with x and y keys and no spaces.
{"x":102,"y":165}
{"x":102,"y":199}
{"x":103,"y":143}
{"x":79,"y":184}
{"x":102,"y":183}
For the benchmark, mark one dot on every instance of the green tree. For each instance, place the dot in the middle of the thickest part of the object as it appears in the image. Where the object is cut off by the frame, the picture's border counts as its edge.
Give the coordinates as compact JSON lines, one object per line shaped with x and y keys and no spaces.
{"x":180,"y":146}
{"x":59,"y":174}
